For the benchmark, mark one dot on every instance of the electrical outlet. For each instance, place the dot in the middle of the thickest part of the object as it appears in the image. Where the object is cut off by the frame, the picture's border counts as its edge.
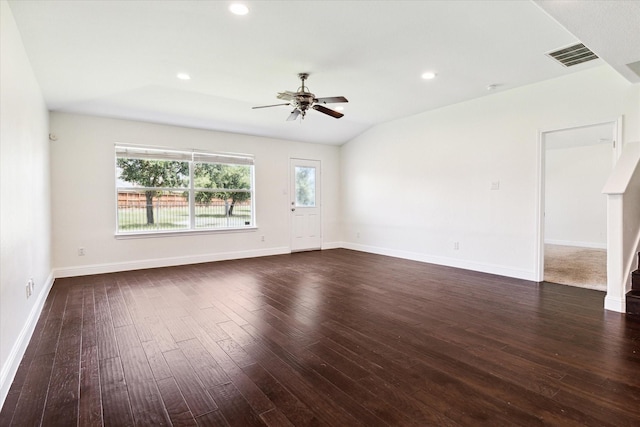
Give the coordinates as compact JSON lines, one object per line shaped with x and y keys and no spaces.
{"x":32,"y":286}
{"x":262,"y":238}
{"x":357,"y":235}
{"x":80,"y":251}
{"x":28,"y":289}
{"x":456,"y":246}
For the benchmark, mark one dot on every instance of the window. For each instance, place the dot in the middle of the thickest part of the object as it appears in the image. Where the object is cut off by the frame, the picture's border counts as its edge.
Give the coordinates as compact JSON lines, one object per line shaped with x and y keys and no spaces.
{"x":305,"y":186}
{"x":161,"y":190}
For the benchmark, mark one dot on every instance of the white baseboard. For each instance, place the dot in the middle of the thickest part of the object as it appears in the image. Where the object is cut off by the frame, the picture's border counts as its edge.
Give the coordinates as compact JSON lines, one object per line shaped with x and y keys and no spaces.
{"x":332,"y":245}
{"x":449,"y":262}
{"x":615,"y":304}
{"x":10,"y":367}
{"x":87,"y":270}
{"x":592,"y":245}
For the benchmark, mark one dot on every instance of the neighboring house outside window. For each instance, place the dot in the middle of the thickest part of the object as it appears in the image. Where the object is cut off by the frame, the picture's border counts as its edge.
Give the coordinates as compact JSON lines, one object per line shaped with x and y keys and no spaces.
{"x":164,"y":190}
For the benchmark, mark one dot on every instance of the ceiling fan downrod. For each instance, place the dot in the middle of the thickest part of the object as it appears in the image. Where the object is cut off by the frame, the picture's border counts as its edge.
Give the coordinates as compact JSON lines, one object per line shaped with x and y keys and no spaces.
{"x":303,"y":77}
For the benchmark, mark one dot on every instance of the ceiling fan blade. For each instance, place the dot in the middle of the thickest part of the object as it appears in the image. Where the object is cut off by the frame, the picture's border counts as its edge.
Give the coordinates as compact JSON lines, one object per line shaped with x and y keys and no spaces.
{"x":328,"y":111}
{"x":331,"y":99}
{"x":286,"y":95}
{"x":267,"y":106}
{"x":294,"y":115}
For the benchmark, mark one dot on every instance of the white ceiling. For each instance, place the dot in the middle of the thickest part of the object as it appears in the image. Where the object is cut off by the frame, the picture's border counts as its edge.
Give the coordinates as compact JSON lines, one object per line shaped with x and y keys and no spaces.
{"x":611,"y":29}
{"x":120,"y":58}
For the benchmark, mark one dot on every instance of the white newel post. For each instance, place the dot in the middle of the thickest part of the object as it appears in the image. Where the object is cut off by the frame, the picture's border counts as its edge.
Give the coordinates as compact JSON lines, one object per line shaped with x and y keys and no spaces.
{"x":615,"y":298}
{"x":623,"y":225}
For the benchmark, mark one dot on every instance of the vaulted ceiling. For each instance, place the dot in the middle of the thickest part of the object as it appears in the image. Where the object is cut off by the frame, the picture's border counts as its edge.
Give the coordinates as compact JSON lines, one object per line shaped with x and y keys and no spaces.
{"x":121,"y":58}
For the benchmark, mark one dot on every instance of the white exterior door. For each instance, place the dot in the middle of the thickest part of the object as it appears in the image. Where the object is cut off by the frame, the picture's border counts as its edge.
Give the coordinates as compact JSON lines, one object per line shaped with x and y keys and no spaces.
{"x":305,"y":205}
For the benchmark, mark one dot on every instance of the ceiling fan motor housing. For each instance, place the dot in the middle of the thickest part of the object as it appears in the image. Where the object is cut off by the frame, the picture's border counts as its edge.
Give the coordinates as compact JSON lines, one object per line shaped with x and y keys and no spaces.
{"x":303,"y":100}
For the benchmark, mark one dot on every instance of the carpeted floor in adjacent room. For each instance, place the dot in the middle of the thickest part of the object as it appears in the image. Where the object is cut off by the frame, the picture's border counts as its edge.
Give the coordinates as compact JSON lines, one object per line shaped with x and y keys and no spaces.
{"x":576,"y":266}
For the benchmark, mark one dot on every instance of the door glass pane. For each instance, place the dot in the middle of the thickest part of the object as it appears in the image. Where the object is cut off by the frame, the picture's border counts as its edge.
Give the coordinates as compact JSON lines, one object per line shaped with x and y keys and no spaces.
{"x":305,"y":186}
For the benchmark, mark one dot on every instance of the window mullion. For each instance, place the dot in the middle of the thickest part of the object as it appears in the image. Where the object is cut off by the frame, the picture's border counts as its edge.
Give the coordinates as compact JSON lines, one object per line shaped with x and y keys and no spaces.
{"x":192,"y":197}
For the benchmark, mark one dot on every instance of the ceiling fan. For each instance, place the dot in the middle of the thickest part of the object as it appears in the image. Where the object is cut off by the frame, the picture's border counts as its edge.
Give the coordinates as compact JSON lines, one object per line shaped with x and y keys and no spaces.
{"x":302,"y":100}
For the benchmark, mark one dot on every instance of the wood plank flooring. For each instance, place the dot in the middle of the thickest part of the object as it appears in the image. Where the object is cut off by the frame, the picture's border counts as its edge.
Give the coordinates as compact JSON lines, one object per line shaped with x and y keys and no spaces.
{"x":331,"y":338}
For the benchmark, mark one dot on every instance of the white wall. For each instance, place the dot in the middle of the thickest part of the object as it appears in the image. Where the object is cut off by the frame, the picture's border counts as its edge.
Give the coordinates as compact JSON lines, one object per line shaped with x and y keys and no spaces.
{"x":413,"y":187}
{"x":575,"y":208}
{"x":24,"y":199}
{"x":83,"y":203}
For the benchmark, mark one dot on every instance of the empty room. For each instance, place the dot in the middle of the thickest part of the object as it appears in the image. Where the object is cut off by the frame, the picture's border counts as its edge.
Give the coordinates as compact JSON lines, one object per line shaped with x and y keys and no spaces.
{"x":218,"y":213}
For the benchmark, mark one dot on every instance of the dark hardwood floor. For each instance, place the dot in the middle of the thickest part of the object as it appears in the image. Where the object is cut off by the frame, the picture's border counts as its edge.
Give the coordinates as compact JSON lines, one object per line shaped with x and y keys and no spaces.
{"x":336,"y":338}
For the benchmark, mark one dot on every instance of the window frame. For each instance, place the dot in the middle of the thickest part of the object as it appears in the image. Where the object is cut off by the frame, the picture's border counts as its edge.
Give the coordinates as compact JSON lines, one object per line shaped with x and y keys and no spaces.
{"x":192,"y":157}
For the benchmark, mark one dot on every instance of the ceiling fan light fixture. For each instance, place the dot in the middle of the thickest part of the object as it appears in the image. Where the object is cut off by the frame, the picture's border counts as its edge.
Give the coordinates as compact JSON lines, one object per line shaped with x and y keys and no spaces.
{"x":183,"y":76}
{"x":429,"y":75}
{"x":238,"y":9}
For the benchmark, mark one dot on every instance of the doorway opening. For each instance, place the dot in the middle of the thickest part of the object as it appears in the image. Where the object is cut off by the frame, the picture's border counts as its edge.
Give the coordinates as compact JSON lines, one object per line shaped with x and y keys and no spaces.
{"x":575,"y":164}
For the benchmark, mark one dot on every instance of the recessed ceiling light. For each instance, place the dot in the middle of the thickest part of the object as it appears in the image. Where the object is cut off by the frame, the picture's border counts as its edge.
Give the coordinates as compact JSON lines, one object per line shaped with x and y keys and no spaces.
{"x":239,"y":9}
{"x":183,"y":76}
{"x":429,"y":75}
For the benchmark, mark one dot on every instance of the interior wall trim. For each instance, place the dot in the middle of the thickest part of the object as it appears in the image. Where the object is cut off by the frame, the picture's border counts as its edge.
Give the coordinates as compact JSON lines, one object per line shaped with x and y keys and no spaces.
{"x":115,"y":267}
{"x":10,"y":367}
{"x":592,"y":245}
{"x":332,"y":245}
{"x":446,"y":261}
{"x":613,"y":303}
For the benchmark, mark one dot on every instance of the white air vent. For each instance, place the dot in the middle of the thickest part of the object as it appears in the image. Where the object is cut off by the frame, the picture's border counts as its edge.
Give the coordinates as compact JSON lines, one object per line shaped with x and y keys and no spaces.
{"x":573,"y":55}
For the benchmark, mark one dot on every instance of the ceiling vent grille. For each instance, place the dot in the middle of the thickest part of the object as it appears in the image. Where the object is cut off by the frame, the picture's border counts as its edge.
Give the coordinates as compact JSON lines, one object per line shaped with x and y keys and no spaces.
{"x":573,"y":55}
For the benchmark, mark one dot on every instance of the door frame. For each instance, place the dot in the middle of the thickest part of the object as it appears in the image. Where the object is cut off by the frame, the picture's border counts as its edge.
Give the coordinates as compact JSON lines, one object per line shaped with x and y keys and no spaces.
{"x":292,"y":161}
{"x":617,"y":140}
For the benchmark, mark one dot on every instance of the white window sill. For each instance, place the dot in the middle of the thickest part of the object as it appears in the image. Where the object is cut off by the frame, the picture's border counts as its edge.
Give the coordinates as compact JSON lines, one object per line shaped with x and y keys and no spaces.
{"x":168,"y":233}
